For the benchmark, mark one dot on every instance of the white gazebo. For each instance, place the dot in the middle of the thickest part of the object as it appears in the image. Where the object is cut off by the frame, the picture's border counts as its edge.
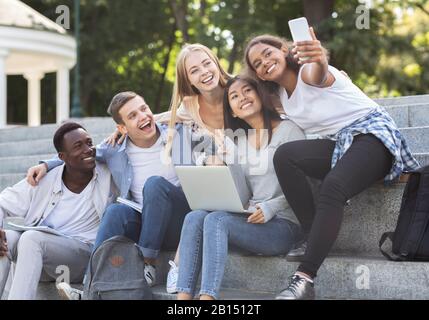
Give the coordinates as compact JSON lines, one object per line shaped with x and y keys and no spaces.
{"x":32,"y":45}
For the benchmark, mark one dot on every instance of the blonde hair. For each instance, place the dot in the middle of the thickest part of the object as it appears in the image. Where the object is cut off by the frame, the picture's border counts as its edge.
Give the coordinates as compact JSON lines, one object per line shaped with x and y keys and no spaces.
{"x":182,"y":86}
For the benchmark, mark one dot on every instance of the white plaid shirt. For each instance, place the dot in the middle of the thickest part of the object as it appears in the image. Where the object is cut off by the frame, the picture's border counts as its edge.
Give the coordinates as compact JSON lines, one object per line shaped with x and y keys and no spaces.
{"x":380,"y":124}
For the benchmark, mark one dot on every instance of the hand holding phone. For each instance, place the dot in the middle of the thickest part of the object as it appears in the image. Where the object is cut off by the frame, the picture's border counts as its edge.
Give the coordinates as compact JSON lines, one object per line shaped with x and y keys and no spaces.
{"x":307,"y":49}
{"x":300,"y":31}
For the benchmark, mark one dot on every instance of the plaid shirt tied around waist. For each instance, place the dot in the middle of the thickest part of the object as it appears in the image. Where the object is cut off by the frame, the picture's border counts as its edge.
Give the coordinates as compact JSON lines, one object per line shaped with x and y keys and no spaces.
{"x":380,"y":124}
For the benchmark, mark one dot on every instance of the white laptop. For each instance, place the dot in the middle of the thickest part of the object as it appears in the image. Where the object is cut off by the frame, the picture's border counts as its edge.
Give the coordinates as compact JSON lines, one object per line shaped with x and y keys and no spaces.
{"x":214,"y":188}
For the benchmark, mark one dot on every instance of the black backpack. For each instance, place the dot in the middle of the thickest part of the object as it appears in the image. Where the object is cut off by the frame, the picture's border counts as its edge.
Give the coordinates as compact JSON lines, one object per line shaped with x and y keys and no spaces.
{"x":410,"y":241}
{"x":116,"y":272}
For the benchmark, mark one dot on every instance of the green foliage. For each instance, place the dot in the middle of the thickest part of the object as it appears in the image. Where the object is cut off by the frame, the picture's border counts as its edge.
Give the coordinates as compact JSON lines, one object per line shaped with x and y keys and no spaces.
{"x":125,"y":44}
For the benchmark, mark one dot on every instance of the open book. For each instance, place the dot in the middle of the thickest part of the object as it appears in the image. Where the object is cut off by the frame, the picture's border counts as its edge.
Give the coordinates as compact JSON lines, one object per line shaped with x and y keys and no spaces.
{"x":130,"y":203}
{"x":17,"y":224}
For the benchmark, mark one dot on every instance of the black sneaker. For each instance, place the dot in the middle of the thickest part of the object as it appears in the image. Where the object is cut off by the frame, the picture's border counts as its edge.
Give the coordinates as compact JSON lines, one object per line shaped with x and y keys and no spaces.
{"x":298,"y":253}
{"x":299,"y":288}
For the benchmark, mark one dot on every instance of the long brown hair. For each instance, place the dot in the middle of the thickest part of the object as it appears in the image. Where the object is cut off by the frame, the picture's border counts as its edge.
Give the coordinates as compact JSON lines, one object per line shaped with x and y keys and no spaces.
{"x":268,"y":113}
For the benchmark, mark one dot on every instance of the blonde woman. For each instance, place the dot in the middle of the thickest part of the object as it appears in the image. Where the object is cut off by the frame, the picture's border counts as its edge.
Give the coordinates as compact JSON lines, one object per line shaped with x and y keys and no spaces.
{"x":197,"y":101}
{"x":198,"y":89}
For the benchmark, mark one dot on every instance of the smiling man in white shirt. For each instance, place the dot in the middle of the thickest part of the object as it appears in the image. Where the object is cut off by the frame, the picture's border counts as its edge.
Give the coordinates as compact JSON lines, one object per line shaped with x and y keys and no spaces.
{"x":71,"y":200}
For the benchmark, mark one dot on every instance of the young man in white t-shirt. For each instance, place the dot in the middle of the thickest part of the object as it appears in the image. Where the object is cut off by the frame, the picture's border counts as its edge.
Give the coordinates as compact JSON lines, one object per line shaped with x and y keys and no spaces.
{"x":71,"y":200}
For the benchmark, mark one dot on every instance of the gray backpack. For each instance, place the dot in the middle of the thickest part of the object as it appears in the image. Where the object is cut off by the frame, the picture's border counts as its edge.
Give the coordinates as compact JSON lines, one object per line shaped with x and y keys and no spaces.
{"x":116,"y":272}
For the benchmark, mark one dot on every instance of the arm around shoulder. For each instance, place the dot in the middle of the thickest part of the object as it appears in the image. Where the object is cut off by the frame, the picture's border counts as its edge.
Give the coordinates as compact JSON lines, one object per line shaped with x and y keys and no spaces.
{"x":52,"y":163}
{"x":105,"y":150}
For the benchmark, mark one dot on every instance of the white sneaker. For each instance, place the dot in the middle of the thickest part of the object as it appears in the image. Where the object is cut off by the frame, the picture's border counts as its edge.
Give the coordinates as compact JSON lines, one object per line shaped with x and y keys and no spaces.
{"x":150,"y":274}
{"x":67,"y":292}
{"x":172,"y":276}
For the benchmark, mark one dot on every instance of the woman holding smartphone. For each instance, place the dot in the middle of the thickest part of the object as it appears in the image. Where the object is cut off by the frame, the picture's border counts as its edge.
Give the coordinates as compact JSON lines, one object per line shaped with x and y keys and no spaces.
{"x":360,"y":143}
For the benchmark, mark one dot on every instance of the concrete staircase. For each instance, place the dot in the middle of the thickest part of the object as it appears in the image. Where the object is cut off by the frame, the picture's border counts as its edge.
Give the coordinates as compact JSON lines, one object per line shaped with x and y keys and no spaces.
{"x":354,"y":270}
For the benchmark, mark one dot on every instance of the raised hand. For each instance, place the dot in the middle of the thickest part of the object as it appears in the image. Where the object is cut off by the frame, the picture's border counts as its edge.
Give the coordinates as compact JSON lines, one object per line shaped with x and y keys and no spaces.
{"x":310,"y":51}
{"x":113,"y":137}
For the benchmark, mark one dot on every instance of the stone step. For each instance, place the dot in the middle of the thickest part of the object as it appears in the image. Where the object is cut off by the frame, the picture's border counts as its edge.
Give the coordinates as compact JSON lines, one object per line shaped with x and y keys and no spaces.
{"x":21,"y":164}
{"x":94,"y":125}
{"x":405,"y":100}
{"x":340,"y":277}
{"x":417,"y":138}
{"x":35,"y":146}
{"x":9,"y":179}
{"x":416,"y":115}
{"x":367,"y":217}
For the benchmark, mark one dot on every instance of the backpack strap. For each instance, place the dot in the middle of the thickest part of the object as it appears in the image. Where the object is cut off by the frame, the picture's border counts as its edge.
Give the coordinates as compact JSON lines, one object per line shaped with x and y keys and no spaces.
{"x":391,"y":256}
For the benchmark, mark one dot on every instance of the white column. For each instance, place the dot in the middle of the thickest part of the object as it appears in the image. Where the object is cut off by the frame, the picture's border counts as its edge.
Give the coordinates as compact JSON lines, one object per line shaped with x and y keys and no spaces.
{"x":3,"y":88}
{"x":63,"y":94}
{"x":34,"y":112}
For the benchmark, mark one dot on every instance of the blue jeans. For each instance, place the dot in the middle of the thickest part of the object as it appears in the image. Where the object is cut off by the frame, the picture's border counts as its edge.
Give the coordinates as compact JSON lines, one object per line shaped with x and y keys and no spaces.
{"x":159,"y":225}
{"x":204,"y":245}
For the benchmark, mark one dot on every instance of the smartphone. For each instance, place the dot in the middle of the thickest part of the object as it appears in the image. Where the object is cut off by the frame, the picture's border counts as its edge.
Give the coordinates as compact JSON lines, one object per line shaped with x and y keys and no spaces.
{"x":300,"y":31}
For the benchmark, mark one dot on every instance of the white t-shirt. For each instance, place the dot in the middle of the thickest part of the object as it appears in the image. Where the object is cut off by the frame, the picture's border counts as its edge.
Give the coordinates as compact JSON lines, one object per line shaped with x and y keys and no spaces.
{"x":75,"y":215}
{"x":146,"y":162}
{"x":325,"y":111}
